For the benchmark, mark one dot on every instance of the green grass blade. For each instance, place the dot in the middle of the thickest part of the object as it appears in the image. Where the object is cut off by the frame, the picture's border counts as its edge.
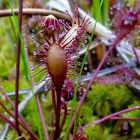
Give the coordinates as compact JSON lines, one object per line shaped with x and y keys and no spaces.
{"x":15,"y":23}
{"x":97,"y":11}
{"x":106,"y":6}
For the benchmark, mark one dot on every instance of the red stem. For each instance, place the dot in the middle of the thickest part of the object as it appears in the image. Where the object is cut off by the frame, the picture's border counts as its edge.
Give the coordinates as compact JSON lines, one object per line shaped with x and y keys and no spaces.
{"x":5,"y":119}
{"x":13,"y":106}
{"x":18,"y":66}
{"x":42,"y":118}
{"x":51,"y":124}
{"x":125,"y":119}
{"x":54,"y":100}
{"x":34,"y":11}
{"x":8,"y":111}
{"x":25,"y":125}
{"x":58,"y":113}
{"x":65,"y":113}
{"x":14,"y":126}
{"x":111,"y":116}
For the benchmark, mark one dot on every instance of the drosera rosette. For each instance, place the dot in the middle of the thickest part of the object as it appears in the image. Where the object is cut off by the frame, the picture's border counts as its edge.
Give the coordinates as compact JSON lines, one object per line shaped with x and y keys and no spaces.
{"x":126,"y":21}
{"x":126,"y":18}
{"x":126,"y":25}
{"x":61,"y":40}
{"x":58,"y":43}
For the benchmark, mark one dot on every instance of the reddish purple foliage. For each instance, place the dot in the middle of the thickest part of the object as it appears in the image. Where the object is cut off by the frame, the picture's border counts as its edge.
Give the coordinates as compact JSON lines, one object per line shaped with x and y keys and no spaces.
{"x":125,"y":19}
{"x":68,"y":90}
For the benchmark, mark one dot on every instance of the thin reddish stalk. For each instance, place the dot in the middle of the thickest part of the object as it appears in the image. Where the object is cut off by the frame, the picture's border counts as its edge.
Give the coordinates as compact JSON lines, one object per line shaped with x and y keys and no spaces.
{"x":65,"y":114}
{"x":58,"y":113}
{"x":111,"y":116}
{"x":20,"y":116}
{"x":18,"y":66}
{"x":42,"y":118}
{"x":54,"y":100}
{"x":20,"y":122}
{"x":5,"y":119}
{"x":51,"y":124}
{"x":7,"y":110}
{"x":7,"y":98}
{"x":125,"y":119}
{"x":13,"y":106}
{"x":34,"y":11}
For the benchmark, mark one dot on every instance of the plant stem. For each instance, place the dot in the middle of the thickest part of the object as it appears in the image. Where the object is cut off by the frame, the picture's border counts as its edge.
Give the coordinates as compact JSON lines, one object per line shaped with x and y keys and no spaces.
{"x":13,"y":106}
{"x":54,"y":100}
{"x":65,"y":114}
{"x":125,"y":119}
{"x":97,"y":12}
{"x":51,"y":124}
{"x":34,"y":11}
{"x":58,"y":112}
{"x":42,"y":118}
{"x":106,"y":6}
{"x":23,"y":122}
{"x":18,"y":66}
{"x":111,"y":116}
{"x":5,"y":119}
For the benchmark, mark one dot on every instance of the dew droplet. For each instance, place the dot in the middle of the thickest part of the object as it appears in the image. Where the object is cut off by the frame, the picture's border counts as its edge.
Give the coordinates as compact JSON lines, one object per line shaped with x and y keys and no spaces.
{"x":32,"y":37}
{"x":126,"y":22}
{"x":60,"y":21}
{"x":37,"y":44}
{"x":34,"y":53}
{"x":43,"y":24}
{"x":31,"y":67}
{"x":79,"y":63}
{"x":52,"y":28}
{"x":85,"y":68}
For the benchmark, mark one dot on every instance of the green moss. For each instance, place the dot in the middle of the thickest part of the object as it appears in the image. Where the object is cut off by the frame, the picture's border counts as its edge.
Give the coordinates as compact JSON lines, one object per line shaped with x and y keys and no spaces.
{"x":103,"y":100}
{"x":97,"y":133}
{"x":106,"y":99}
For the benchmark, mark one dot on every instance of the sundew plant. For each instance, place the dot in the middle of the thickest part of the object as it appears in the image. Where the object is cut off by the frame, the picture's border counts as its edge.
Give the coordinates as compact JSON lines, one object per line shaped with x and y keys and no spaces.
{"x":69,"y":70}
